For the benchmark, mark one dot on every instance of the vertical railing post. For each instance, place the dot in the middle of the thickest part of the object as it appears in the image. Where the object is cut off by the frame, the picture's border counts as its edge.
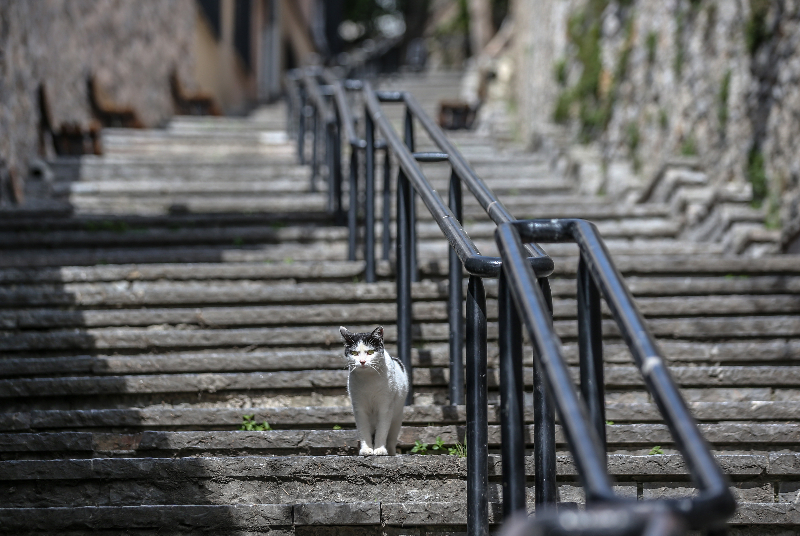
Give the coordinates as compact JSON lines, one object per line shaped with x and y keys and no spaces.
{"x":477,"y":418}
{"x":329,"y":158}
{"x":511,"y":416}
{"x":301,"y":134}
{"x":352,"y":210}
{"x":590,"y":347}
{"x":455,"y":301}
{"x":291,"y":126}
{"x":387,"y":204}
{"x":404,"y":336}
{"x":369,"y":200}
{"x":339,"y":217}
{"x":408,"y":132}
{"x":544,"y":427}
{"x":315,"y":142}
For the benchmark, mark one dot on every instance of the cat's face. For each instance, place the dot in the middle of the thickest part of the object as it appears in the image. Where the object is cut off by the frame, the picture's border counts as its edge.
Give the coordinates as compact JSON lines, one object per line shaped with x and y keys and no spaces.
{"x":363,"y":350}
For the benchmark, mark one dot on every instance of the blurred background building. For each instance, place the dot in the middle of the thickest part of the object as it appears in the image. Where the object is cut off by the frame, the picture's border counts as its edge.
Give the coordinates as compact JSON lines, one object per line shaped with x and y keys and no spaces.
{"x":639,"y":84}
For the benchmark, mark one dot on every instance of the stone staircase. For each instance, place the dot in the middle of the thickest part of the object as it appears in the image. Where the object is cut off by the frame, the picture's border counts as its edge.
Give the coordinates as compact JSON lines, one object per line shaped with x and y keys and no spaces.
{"x":188,"y":284}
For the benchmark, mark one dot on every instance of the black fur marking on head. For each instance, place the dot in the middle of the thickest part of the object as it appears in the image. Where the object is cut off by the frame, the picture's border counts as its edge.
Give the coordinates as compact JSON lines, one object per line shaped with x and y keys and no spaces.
{"x":374,"y":339}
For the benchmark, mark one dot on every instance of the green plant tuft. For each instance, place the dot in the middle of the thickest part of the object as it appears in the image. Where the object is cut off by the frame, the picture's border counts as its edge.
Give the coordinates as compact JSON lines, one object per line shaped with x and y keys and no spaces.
{"x":656,"y":450}
{"x":250,"y":425}
{"x":419,"y":447}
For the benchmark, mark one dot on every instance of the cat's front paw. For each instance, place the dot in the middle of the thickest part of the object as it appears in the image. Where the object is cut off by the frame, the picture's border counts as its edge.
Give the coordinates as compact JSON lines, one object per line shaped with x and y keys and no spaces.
{"x":380,"y":451}
{"x":366,"y":451}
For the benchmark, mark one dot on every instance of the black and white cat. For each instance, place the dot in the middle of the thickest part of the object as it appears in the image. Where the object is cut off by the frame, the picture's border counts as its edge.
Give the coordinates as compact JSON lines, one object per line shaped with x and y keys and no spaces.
{"x":378,"y":386}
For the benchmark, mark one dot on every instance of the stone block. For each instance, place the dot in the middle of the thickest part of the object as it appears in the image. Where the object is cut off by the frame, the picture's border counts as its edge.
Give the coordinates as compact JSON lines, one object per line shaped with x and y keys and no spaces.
{"x":789,"y":492}
{"x":361,"y":513}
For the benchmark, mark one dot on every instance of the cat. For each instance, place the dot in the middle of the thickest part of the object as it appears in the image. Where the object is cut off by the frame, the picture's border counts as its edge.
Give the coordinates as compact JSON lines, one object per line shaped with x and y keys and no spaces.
{"x":377,"y":386}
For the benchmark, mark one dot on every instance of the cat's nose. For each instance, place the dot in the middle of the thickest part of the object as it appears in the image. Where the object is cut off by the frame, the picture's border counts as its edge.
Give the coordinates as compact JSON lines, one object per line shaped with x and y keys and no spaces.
{"x":363,"y":361}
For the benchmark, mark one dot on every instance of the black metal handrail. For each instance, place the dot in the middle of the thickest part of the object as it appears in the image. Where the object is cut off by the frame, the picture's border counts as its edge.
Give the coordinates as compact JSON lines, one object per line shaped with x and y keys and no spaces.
{"x":582,"y":418}
{"x":523,"y":290}
{"x":464,"y":256}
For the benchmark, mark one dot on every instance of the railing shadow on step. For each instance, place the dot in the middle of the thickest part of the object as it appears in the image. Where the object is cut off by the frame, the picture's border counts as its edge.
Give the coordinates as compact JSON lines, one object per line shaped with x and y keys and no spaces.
{"x":583,"y":417}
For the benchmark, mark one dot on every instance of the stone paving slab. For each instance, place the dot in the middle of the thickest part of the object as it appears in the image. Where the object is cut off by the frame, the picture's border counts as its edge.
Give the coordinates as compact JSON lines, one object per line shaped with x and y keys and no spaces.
{"x":344,"y":313}
{"x":277,"y":518}
{"x":732,"y":269}
{"x":433,"y":355}
{"x":312,"y":270}
{"x":615,"y":377}
{"x":200,"y":517}
{"x":186,"y":337}
{"x":315,"y":417}
{"x":761,"y":437}
{"x":137,"y":237}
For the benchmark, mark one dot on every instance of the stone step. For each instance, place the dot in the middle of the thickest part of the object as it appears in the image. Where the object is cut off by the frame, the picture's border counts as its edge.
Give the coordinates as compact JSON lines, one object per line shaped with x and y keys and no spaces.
{"x":106,"y":233}
{"x":314,"y":518}
{"x":622,"y":383}
{"x":157,"y":417}
{"x":85,"y":170}
{"x":260,"y":480}
{"x":768,"y":294}
{"x":433,"y":355}
{"x":736,"y":274}
{"x":630,"y":438}
{"x":158,"y":205}
{"x":616,"y":377}
{"x":185,"y":337}
{"x":204,"y":316}
{"x":433,"y":251}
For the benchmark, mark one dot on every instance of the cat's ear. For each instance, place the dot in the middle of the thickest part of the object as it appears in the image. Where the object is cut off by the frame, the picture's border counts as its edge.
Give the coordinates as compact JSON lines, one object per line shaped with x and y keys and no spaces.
{"x":378,"y":333}
{"x":347,"y":336}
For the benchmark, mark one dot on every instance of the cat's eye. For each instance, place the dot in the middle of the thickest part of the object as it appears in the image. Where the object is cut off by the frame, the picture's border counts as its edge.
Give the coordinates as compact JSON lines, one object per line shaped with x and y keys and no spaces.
{"x":353,"y":352}
{"x":370,"y":352}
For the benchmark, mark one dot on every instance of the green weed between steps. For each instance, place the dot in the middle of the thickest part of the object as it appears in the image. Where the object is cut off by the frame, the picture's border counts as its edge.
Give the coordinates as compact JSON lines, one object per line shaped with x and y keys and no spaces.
{"x":439,"y":447}
{"x":656,"y":450}
{"x":250,"y":425}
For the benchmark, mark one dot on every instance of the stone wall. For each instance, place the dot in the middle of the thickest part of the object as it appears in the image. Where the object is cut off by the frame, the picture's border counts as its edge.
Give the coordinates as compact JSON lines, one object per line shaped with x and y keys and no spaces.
{"x":130,"y":46}
{"x":648,"y":82}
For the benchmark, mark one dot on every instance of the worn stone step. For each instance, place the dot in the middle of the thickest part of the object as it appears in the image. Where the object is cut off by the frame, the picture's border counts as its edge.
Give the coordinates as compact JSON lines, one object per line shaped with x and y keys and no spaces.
{"x":625,"y":382}
{"x":738,"y":275}
{"x":126,"y":223}
{"x":306,"y":518}
{"x":69,"y":170}
{"x":115,"y":234}
{"x":157,"y":205}
{"x":347,"y":312}
{"x":139,"y":291}
{"x":282,"y":252}
{"x":277,"y":478}
{"x":226,"y":418}
{"x":214,"y":185}
{"x":139,"y":236}
{"x":184,"y":337}
{"x":779,"y":351}
{"x":300,"y":271}
{"x":631,"y":438}
{"x":431,"y":252}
